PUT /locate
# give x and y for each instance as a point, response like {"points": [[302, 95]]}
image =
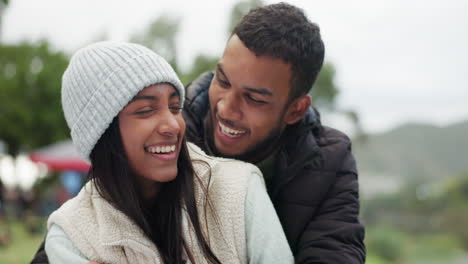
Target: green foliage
{"points": [[325, 90], [371, 258], [455, 213], [202, 63], [454, 222], [432, 247], [23, 244], [324, 94], [386, 243], [30, 109], [160, 36], [457, 189], [389, 244], [423, 222]]}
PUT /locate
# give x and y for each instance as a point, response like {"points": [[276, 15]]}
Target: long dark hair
{"points": [[161, 218]]}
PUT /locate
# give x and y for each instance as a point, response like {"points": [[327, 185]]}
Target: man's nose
{"points": [[229, 107]]}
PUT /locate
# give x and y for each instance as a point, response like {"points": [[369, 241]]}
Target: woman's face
{"points": [[152, 129]]}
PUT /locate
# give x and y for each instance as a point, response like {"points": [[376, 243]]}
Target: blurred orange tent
{"points": [[60, 156]]}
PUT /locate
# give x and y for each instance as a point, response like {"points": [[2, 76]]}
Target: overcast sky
{"points": [[397, 61]]}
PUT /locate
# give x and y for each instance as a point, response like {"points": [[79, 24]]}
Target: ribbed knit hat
{"points": [[100, 81]]}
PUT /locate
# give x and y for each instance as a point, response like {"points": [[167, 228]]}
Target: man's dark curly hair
{"points": [[283, 31]]}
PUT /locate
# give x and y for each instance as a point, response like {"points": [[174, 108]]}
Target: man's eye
{"points": [[223, 83], [253, 100]]}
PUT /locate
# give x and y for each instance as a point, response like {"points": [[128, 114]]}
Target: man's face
{"points": [[248, 97]]}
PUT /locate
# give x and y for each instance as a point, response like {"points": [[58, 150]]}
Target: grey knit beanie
{"points": [[100, 81]]}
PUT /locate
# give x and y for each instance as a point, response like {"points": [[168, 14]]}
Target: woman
{"points": [[145, 202]]}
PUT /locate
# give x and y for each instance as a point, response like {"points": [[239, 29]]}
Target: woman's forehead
{"points": [[160, 89]]}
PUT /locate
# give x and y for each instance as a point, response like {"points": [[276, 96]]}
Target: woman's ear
{"points": [[297, 109]]}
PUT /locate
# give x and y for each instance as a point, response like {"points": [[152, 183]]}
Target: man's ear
{"points": [[297, 109]]}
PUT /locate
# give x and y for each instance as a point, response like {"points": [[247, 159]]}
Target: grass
{"points": [[387, 244], [23, 245]]}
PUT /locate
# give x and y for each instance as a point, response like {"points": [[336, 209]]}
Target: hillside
{"points": [[415, 151]]}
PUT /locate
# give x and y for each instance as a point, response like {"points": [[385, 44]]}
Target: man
{"points": [[255, 108]]}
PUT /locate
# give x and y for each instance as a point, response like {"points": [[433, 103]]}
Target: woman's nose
{"points": [[169, 125]]}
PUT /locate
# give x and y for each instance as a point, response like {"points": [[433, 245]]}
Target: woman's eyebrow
{"points": [[145, 97]]}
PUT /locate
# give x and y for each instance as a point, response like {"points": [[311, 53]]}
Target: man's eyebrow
{"points": [[220, 69], [261, 91]]}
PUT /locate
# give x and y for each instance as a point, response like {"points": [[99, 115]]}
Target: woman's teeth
{"points": [[229, 131], [162, 149]]}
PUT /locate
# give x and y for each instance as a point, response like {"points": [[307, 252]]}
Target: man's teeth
{"points": [[162, 149], [229, 131]]}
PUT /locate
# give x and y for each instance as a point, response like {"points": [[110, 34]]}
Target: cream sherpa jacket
{"points": [[106, 235]]}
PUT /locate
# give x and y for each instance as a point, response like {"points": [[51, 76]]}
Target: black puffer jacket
{"points": [[316, 193]]}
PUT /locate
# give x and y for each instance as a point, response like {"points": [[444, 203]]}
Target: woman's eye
{"points": [[176, 109], [144, 111]]}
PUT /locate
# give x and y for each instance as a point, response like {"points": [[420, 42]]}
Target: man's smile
{"points": [[230, 132]]}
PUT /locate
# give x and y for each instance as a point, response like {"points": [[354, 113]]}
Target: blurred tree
{"points": [[324, 94], [201, 64], [204, 63], [3, 5], [30, 81], [386, 243], [443, 211], [239, 10], [325, 90], [160, 36], [455, 213]]}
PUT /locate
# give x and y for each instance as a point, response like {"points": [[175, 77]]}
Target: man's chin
{"points": [[244, 155], [227, 152], [254, 153]]}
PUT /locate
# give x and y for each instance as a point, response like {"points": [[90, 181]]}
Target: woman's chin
{"points": [[164, 176]]}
